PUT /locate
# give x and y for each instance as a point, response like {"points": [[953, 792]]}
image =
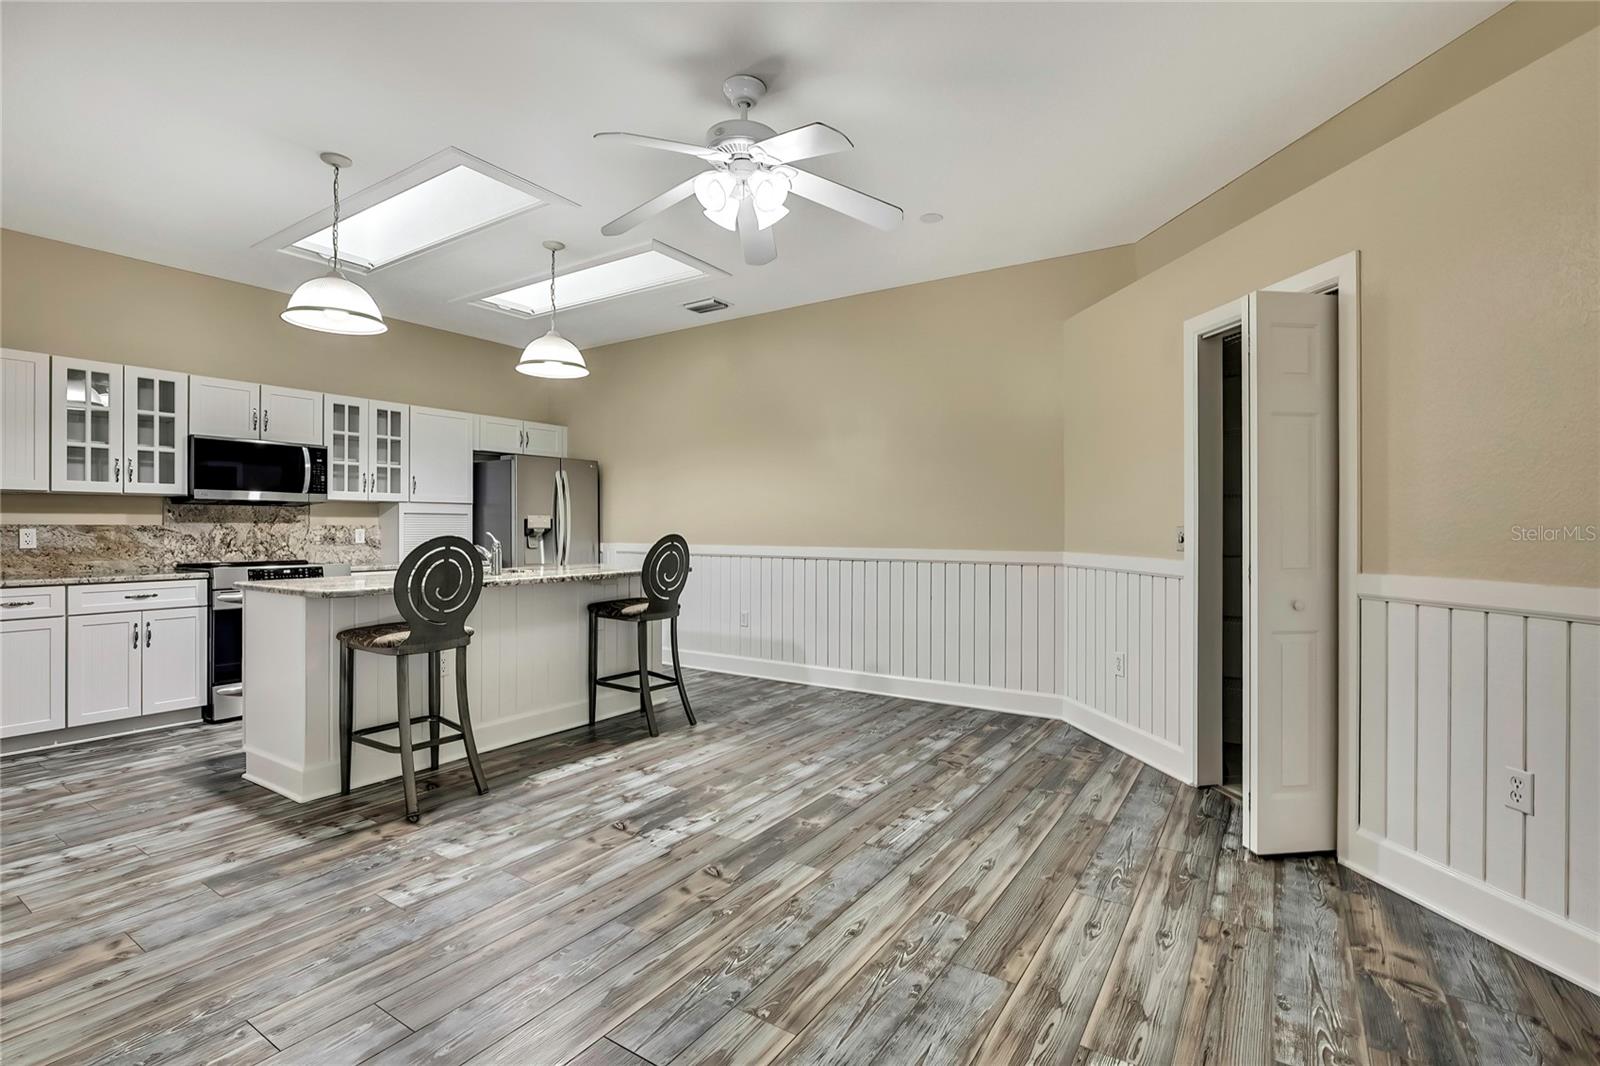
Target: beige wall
{"points": [[1480, 245], [1507, 41], [926, 416], [66, 300]]}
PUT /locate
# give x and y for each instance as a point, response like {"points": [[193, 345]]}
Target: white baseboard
{"points": [[1543, 938], [87, 734], [1157, 753]]}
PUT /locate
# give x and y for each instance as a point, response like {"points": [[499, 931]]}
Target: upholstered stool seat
{"points": [[665, 570], [435, 589], [394, 638]]}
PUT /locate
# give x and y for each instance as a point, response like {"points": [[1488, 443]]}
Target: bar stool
{"points": [[666, 569], [435, 589]]}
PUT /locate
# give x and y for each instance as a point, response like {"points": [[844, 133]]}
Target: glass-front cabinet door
{"points": [[345, 423], [368, 444], [390, 444], [155, 429], [85, 426]]}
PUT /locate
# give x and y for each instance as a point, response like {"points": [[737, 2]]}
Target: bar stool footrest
{"points": [[364, 736]]}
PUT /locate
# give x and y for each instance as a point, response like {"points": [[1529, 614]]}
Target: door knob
{"points": [[1298, 605]]}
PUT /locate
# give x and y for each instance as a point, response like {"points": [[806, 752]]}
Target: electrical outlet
{"points": [[27, 538], [1180, 539], [361, 534], [1518, 790], [744, 619], [1119, 663]]}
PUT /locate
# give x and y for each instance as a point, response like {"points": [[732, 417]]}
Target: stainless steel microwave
{"points": [[256, 471]]}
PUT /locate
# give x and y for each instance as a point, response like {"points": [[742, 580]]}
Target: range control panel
{"points": [[283, 573]]}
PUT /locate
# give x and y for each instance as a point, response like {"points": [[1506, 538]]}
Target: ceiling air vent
{"points": [[705, 307]]}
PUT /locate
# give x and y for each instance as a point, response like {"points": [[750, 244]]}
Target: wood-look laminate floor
{"points": [[810, 876]]}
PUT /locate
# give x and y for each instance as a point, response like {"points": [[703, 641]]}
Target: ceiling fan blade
{"points": [[759, 246], [650, 208], [846, 201], [665, 145], [805, 142]]}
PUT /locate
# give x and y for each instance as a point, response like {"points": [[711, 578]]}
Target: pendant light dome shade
{"points": [[552, 356], [334, 304]]}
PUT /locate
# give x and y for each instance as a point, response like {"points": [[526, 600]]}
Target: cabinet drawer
{"points": [[45, 601], [135, 596]]}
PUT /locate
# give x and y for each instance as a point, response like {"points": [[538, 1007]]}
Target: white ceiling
{"points": [[184, 134]]}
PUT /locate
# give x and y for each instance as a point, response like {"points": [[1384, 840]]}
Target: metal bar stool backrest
{"points": [[666, 569], [437, 586]]}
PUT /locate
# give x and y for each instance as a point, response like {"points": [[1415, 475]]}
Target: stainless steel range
{"points": [[226, 671]]}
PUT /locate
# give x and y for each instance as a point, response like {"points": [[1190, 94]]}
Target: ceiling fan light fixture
{"points": [[333, 303], [767, 216], [727, 217], [715, 189], [770, 188]]}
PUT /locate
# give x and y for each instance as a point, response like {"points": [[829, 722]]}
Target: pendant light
{"points": [[552, 355], [333, 303]]}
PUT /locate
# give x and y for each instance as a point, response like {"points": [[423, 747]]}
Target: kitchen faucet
{"points": [[492, 558]]}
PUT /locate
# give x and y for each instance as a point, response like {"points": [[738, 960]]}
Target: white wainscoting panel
{"points": [[1451, 694], [1030, 632]]}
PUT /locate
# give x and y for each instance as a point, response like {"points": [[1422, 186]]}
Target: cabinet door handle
{"points": [[136, 636], [266, 417], [17, 603], [116, 471], [147, 634], [253, 414], [413, 484], [140, 595]]}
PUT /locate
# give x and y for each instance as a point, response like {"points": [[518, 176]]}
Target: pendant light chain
{"points": [[335, 219], [552, 288]]}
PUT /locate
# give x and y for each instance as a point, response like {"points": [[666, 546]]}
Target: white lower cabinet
{"points": [[123, 663], [174, 669], [33, 675], [103, 667]]}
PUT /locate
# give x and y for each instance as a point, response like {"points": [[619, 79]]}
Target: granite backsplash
{"points": [[189, 532]]}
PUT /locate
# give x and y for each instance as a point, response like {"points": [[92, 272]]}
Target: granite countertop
{"points": [[381, 582], [8, 581]]}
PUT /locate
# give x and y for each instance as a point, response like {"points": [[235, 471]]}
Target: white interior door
{"points": [[1291, 756]]}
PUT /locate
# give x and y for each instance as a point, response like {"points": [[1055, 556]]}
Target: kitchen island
{"points": [[527, 669]]}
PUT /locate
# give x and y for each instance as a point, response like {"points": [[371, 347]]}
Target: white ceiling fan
{"points": [[751, 176]]}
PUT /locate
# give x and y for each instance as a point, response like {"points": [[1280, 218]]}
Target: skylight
{"points": [[446, 196], [652, 268]]}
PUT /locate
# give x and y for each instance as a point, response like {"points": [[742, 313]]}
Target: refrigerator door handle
{"points": [[561, 521], [566, 519]]}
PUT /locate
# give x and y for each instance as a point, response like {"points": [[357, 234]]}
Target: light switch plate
{"points": [[1518, 791], [361, 534], [27, 538]]}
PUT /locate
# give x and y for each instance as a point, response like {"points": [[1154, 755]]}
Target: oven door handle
{"points": [[230, 597]]}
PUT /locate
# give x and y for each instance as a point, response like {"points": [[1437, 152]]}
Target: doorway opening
{"points": [[1263, 485]]}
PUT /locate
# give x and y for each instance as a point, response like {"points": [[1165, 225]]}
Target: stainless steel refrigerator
{"points": [[544, 511]]}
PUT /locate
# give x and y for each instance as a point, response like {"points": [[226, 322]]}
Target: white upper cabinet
{"points": [[155, 431], [441, 455], [24, 421], [496, 434], [541, 438], [85, 426], [368, 449], [512, 436], [222, 408], [293, 416]]}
